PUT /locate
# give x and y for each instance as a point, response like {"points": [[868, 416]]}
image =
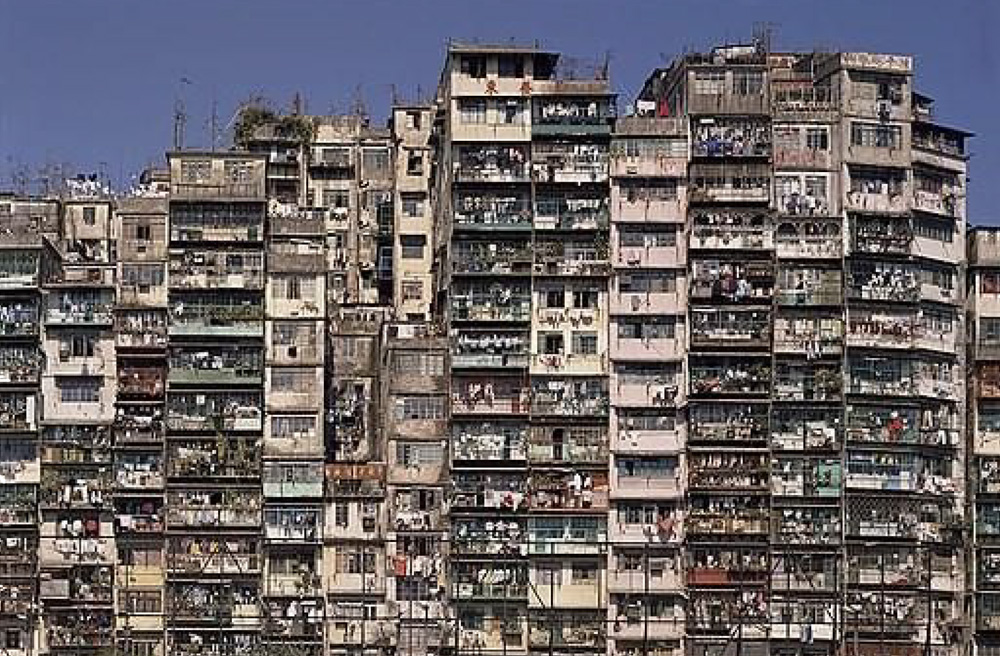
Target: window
{"points": [[413, 204], [287, 428], [417, 454], [472, 110], [748, 83], [412, 246], [297, 381], [375, 162], [336, 199], [549, 574], [413, 291], [196, 170], [143, 233], [420, 407], [877, 136], [555, 298], [710, 82], [414, 163], [585, 343], [473, 66], [584, 299], [425, 364], [140, 601], [510, 66], [412, 120], [818, 138], [550, 343], [512, 112], [647, 328], [583, 572], [79, 390], [340, 513], [90, 215], [294, 287], [142, 276], [77, 346], [12, 639]]}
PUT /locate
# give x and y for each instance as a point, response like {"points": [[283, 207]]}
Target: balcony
{"points": [[571, 211], [292, 480], [577, 445], [660, 435], [807, 526], [140, 382], [76, 487], [719, 281], [889, 329], [199, 556], [491, 304], [731, 191], [569, 397], [800, 381], [77, 630], [564, 492], [802, 102], [489, 258], [646, 477], [805, 333], [200, 269], [799, 429], [575, 163], [490, 350], [19, 318], [728, 471], [730, 423], [19, 269], [292, 221], [568, 363], [141, 330], [222, 510], [725, 328], [730, 137], [705, 524], [80, 308], [488, 442], [567, 632], [66, 551], [293, 524], [477, 536], [216, 365], [563, 116], [494, 163], [20, 365], [497, 491], [214, 411], [573, 259], [730, 377], [642, 202], [880, 281], [224, 316], [642, 386], [881, 236], [492, 212], [493, 397], [878, 196], [806, 477], [945, 203], [137, 472], [213, 459]]}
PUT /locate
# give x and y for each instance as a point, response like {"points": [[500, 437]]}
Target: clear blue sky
{"points": [[90, 82]]}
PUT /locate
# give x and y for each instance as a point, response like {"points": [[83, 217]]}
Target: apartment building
{"points": [[514, 374]]}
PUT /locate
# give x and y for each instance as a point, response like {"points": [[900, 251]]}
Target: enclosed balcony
{"points": [[19, 269], [216, 458], [19, 505], [219, 509], [647, 292], [488, 442], [490, 396], [493, 211], [215, 605], [293, 479], [802, 101], [647, 338], [711, 517], [569, 116], [729, 183], [808, 333], [138, 517], [492, 163], [567, 536], [474, 349], [800, 429], [90, 629], [900, 472], [491, 257], [647, 477], [889, 328], [295, 621], [808, 239], [476, 582], [806, 477], [727, 567], [803, 194], [220, 314], [718, 612], [648, 155], [141, 329], [895, 282], [216, 222], [569, 162], [19, 463], [650, 200], [214, 411], [79, 487], [475, 536], [881, 235], [739, 281], [728, 424], [201, 269], [568, 444], [565, 630], [19, 318], [730, 328], [195, 556], [138, 424], [417, 509], [807, 381], [216, 365], [569, 397], [496, 491], [77, 548], [648, 621], [889, 517], [874, 190], [490, 301], [937, 426], [571, 210], [632, 570], [730, 376], [570, 258], [882, 376], [140, 382], [139, 471], [793, 573], [79, 307], [293, 523], [568, 490], [728, 471], [731, 137], [20, 364], [731, 230], [646, 385]]}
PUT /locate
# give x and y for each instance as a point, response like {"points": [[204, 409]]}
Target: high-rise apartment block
{"points": [[525, 371]]}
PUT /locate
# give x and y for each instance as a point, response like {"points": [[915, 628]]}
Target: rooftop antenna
{"points": [[297, 104], [214, 121], [180, 117], [358, 102]]}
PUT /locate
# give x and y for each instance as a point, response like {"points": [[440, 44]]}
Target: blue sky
{"points": [[93, 84]]}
